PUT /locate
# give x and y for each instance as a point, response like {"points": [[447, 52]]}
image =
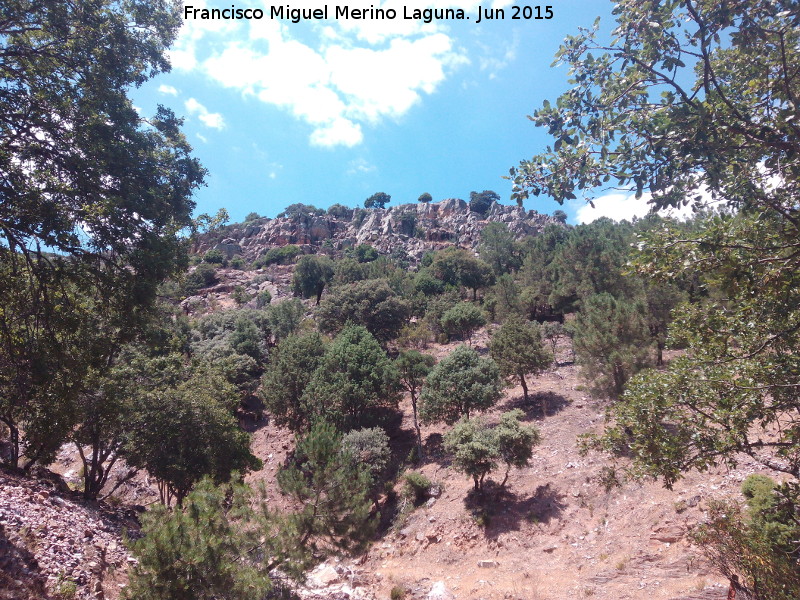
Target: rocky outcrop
{"points": [[418, 228]]}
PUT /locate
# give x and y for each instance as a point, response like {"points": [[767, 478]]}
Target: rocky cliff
{"points": [[416, 227]]}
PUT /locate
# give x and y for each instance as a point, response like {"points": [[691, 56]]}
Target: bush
{"points": [[340, 211], [372, 304], [481, 202], [283, 255], [424, 197], [370, 448], [237, 262], [240, 295], [263, 298], [416, 487], [203, 276], [397, 593], [300, 211], [462, 320], [214, 257]]}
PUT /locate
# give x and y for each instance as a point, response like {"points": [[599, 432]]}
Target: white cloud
{"points": [[619, 207], [360, 166], [209, 119], [339, 75], [167, 90], [202, 138], [340, 132]]}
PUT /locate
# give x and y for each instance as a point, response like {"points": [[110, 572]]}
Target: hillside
{"points": [[554, 534]]}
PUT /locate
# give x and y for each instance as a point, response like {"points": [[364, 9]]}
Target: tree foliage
{"points": [[354, 383], [462, 320], [187, 430], [461, 384], [517, 349], [474, 449], [332, 490], [481, 202], [372, 304], [477, 448], [612, 343], [292, 365], [687, 96], [498, 249], [92, 198], [207, 550], [377, 200], [311, 274], [693, 100], [756, 547], [459, 267], [412, 368]]}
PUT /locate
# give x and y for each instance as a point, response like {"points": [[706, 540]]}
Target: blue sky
{"points": [[332, 111]]}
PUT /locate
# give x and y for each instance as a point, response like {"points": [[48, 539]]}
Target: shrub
{"points": [[283, 255], [416, 487], [340, 211], [462, 320], [214, 256], [263, 298], [203, 276]]}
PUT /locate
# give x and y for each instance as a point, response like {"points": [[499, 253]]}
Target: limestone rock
{"points": [[440, 592]]}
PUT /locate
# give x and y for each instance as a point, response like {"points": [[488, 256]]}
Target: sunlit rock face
{"points": [[418, 228]]}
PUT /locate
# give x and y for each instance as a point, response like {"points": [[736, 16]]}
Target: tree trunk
{"points": [[524, 386], [13, 460], [505, 478], [416, 423]]}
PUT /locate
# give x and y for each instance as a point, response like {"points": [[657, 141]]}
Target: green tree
{"points": [[612, 343], [560, 216], [370, 447], [552, 331], [290, 369], [354, 382], [340, 211], [477, 448], [474, 449], [462, 320], [424, 197], [680, 101], [300, 212], [332, 489], [481, 202], [182, 432], [311, 274], [413, 367], [498, 249], [207, 550], [462, 383], [517, 349], [372, 304], [377, 200], [690, 100], [93, 198], [755, 548], [458, 267], [514, 441], [284, 318]]}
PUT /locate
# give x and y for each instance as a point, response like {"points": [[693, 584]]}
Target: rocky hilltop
{"points": [[418, 228]]}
